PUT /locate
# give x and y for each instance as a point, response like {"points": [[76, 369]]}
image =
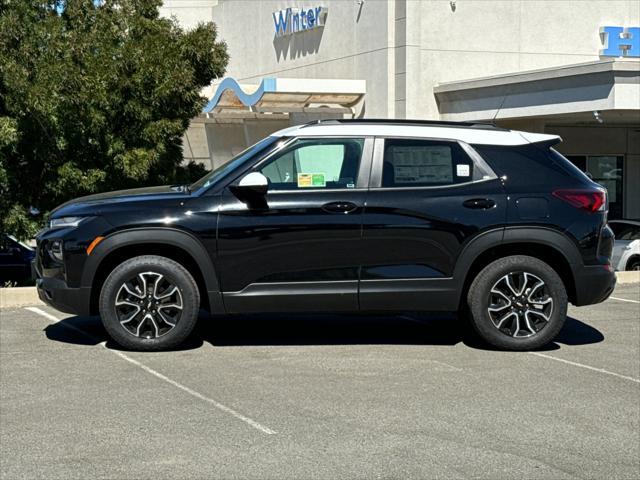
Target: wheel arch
{"points": [[171, 243], [633, 258], [550, 246]]}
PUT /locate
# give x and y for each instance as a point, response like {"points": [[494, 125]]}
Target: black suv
{"points": [[343, 216]]}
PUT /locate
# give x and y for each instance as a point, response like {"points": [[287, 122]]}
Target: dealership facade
{"points": [[570, 68]]}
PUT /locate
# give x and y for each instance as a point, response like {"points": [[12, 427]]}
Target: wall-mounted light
{"points": [[452, 4]]}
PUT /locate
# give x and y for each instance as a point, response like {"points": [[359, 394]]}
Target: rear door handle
{"points": [[479, 203], [339, 207]]}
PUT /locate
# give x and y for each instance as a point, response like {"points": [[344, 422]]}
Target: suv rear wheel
{"points": [[517, 303], [149, 303]]}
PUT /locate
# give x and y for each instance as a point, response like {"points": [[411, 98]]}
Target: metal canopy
{"points": [[285, 95]]}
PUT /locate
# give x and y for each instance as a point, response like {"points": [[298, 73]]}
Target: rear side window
{"points": [[425, 163], [529, 164]]}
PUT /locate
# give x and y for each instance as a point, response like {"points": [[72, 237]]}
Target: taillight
{"points": [[589, 200]]}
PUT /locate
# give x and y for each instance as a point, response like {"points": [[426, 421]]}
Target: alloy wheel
{"points": [[148, 305], [520, 304]]}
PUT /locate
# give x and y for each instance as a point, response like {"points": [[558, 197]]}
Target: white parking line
{"points": [[153, 372], [624, 300], [588, 367]]}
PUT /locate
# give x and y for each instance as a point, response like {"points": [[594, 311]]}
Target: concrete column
{"points": [[407, 58]]}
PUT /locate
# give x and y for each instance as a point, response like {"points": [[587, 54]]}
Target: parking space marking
{"points": [[153, 372], [624, 300], [589, 367]]}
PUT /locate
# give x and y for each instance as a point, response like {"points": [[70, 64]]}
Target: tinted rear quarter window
{"points": [[530, 165]]}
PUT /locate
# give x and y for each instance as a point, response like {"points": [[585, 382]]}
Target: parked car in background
{"points": [[626, 248], [15, 260]]}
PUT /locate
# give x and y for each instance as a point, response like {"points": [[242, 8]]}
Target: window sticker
{"points": [[463, 170], [306, 180], [420, 164]]}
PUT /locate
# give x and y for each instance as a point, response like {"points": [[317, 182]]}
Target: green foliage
{"points": [[95, 98]]}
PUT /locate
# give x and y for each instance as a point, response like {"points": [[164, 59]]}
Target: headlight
{"points": [[55, 249], [66, 222]]}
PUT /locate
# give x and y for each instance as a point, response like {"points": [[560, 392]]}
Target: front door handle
{"points": [[479, 203], [339, 207]]}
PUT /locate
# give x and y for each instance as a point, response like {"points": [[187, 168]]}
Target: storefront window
{"points": [[607, 170]]}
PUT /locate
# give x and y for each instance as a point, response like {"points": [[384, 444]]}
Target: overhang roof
{"points": [[276, 95], [601, 85]]}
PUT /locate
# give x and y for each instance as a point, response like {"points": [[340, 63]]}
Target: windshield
{"points": [[625, 231], [22, 244], [218, 173]]}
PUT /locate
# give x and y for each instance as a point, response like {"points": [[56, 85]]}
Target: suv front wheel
{"points": [[149, 303], [517, 303]]}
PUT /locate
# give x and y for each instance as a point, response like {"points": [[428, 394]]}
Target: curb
{"points": [[627, 278], [23, 296], [18, 297]]}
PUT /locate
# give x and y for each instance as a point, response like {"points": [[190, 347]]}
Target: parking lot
{"points": [[321, 397]]}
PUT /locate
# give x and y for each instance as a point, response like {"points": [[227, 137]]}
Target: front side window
{"points": [[425, 163], [315, 164]]}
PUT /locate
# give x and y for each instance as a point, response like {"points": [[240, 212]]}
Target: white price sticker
{"points": [[462, 170]]}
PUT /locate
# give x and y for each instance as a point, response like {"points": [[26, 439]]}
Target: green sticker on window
{"points": [[317, 180]]}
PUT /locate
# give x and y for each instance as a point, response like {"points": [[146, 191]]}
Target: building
{"points": [[570, 68]]}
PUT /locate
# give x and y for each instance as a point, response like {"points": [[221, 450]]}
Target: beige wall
{"points": [[482, 38], [403, 48], [354, 44], [189, 12]]}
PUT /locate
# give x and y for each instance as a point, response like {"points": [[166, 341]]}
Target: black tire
{"points": [[505, 270], [633, 264], [148, 269]]}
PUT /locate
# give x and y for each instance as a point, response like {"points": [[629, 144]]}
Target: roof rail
{"points": [[393, 121]]}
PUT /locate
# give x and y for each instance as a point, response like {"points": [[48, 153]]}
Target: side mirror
{"points": [[250, 186]]}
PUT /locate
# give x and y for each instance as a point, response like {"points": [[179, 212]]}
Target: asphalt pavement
{"points": [[321, 397]]}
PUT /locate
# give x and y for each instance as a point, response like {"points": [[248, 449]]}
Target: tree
{"points": [[95, 96]]}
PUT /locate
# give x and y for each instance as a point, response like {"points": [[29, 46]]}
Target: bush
{"points": [[94, 97]]}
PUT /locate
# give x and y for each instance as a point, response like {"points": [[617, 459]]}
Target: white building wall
{"points": [[189, 12], [403, 48], [354, 44], [482, 38]]}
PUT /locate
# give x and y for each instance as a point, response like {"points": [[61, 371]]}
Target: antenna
{"points": [[499, 108]]}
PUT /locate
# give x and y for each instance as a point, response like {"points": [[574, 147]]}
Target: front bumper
{"points": [[56, 293], [594, 284]]}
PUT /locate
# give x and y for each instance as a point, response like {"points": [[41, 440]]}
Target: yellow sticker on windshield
{"points": [[311, 180]]}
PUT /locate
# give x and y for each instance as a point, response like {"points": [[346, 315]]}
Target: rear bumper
{"points": [[594, 284]]}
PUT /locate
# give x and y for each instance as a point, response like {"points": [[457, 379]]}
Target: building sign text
{"points": [[293, 20]]}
